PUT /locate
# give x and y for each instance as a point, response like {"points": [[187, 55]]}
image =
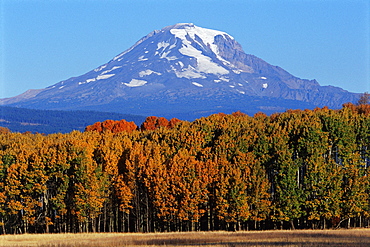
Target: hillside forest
{"points": [[301, 169]]}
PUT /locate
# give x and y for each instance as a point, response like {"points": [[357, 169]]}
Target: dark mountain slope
{"points": [[48, 121]]}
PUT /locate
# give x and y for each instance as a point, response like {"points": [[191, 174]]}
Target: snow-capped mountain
{"points": [[184, 71]]}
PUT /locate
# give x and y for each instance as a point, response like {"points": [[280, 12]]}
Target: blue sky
{"points": [[44, 42]]}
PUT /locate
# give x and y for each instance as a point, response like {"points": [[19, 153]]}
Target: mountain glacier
{"points": [[184, 71]]}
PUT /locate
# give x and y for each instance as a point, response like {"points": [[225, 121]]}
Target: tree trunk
{"points": [[116, 220], [324, 223], [25, 226], [349, 223], [360, 221], [3, 226], [105, 217], [93, 225]]}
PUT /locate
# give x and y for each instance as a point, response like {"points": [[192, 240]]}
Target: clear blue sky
{"points": [[44, 42]]}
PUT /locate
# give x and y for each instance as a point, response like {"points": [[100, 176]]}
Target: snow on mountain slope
{"points": [[183, 68]]}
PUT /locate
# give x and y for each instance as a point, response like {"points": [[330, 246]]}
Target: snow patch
{"points": [[87, 81], [206, 35], [162, 44], [148, 72], [123, 53], [101, 77], [224, 79], [240, 84], [142, 58], [136, 83], [173, 45], [164, 55], [263, 78], [232, 86], [197, 84], [61, 87], [171, 58], [100, 68], [265, 85], [90, 80], [217, 81], [107, 71], [239, 91], [189, 73], [204, 63]]}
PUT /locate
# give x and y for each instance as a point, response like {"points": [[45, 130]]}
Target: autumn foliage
{"points": [[152, 123], [297, 169], [112, 126]]}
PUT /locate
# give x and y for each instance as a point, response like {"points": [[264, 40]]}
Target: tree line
{"points": [[297, 169]]}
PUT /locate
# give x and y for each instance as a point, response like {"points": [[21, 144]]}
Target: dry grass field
{"points": [[354, 237]]}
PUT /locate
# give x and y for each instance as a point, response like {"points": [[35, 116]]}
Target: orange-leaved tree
{"points": [[112, 126]]}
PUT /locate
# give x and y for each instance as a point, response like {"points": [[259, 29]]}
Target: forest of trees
{"points": [[297, 169]]}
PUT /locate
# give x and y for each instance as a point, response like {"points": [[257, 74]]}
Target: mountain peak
{"points": [[180, 26], [192, 30], [180, 68]]}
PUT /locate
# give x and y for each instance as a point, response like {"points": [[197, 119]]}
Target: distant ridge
{"points": [[54, 121]]}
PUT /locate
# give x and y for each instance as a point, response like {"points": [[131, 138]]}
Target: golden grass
{"points": [[353, 237]]}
